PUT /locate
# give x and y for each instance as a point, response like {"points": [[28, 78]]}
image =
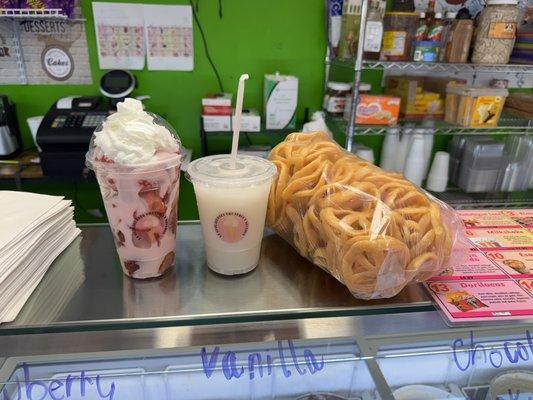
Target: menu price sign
{"points": [[119, 29], [495, 284]]}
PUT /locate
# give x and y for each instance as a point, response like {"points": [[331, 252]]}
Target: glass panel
{"points": [[85, 288], [272, 370], [468, 367]]}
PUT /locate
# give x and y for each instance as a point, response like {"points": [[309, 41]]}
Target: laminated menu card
{"points": [[495, 284]]}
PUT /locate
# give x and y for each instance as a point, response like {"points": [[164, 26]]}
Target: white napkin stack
{"points": [[34, 230]]}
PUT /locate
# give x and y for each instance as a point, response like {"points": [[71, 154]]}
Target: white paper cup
{"points": [[438, 174], [415, 161], [389, 149]]}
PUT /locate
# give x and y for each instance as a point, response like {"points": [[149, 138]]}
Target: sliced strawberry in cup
{"points": [[149, 192], [148, 228]]}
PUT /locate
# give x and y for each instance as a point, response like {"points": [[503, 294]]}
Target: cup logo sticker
{"points": [[231, 227]]}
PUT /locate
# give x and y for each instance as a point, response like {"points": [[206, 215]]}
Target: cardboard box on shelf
{"points": [[216, 123], [217, 104], [216, 110], [250, 121], [217, 99]]}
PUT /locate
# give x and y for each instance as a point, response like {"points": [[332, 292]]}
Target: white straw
{"points": [[237, 123]]}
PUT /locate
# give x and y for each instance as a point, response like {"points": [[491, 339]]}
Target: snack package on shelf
{"points": [[416, 102], [372, 230], [421, 97], [377, 110]]}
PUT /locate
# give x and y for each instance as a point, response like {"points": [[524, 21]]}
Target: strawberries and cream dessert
{"points": [[136, 159]]}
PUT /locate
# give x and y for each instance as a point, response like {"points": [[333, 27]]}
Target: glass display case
{"points": [[285, 331]]}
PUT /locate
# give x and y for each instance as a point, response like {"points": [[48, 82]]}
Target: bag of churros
{"points": [[372, 230]]}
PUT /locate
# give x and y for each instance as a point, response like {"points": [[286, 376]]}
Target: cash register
{"points": [[66, 130]]}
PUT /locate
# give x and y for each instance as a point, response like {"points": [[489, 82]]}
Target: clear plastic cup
{"points": [[141, 203], [232, 204]]}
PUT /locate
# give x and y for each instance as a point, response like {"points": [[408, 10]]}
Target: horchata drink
{"points": [[232, 203], [136, 158]]}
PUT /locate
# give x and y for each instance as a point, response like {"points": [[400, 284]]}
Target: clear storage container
{"points": [[480, 165], [514, 175], [474, 107]]}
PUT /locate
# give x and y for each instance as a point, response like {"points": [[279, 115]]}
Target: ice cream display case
{"points": [[287, 330]]}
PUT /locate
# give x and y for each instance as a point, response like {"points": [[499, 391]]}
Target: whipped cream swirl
{"points": [[130, 136]]}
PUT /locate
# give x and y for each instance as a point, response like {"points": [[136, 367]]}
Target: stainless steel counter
{"points": [[85, 310], [85, 289]]}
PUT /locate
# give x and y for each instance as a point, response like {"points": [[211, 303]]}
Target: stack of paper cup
{"points": [[366, 153], [389, 149], [403, 149], [428, 148], [415, 160], [438, 175], [429, 135]]}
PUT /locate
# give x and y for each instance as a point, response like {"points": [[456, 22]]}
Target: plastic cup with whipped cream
{"points": [[136, 158], [232, 203]]}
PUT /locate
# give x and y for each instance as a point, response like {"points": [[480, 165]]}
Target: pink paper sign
{"points": [[496, 282], [486, 219], [482, 300], [500, 238], [523, 217], [478, 266], [517, 264]]}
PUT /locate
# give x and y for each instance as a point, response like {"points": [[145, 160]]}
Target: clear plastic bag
{"points": [[372, 230]]}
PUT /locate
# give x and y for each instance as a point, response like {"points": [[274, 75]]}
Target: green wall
{"points": [[254, 37]]}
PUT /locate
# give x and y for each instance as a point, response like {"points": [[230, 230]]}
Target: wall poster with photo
{"points": [[119, 31]]}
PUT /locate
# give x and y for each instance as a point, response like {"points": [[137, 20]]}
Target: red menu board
{"points": [[496, 282]]}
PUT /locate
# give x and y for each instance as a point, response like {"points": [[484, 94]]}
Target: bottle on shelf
{"points": [[350, 22], [427, 47], [422, 29], [373, 32], [430, 12], [436, 29], [399, 30]]}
